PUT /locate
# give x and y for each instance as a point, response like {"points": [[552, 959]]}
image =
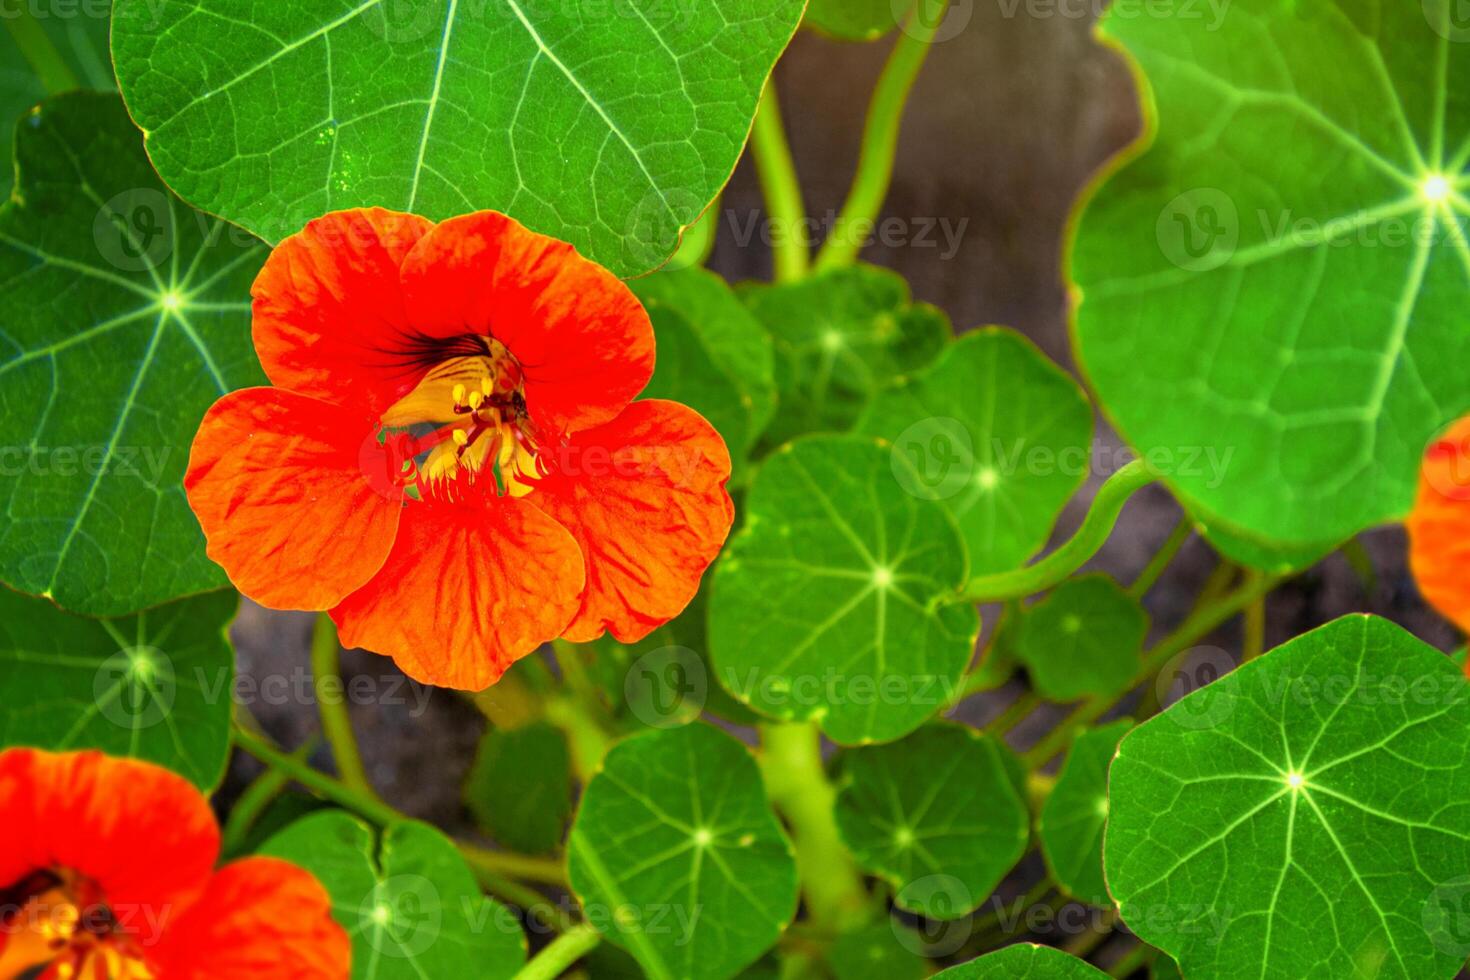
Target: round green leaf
{"points": [[127, 316], [520, 786], [1072, 819], [1244, 549], [155, 686], [686, 373], [677, 857], [829, 605], [411, 906], [936, 815], [1277, 277], [1304, 816], [733, 337], [1024, 961], [840, 336], [611, 126], [81, 42], [875, 953], [855, 20], [1084, 638], [998, 433]]}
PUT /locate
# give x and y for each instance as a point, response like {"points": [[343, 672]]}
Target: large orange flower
{"points": [[1439, 526], [107, 873], [451, 460]]}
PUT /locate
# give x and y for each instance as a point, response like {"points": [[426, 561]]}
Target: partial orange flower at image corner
{"points": [[1439, 526], [107, 869], [450, 459]]}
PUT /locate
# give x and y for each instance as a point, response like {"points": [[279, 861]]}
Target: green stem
{"points": [[331, 701], [561, 953], [1199, 625], [880, 136], [50, 67], [1162, 558], [1254, 629], [1134, 960], [1014, 714], [773, 164], [252, 803], [1072, 555], [791, 762], [588, 740], [526, 867], [699, 239], [1090, 940]]}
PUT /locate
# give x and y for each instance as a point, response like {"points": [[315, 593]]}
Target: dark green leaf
{"points": [[611, 126], [127, 316], [998, 433], [520, 786], [411, 906], [855, 20], [687, 373], [1072, 819], [829, 605], [156, 686], [1024, 961], [676, 855], [80, 39], [1084, 638], [875, 953], [936, 815], [1311, 821]]}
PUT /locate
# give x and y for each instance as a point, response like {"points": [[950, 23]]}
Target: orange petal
{"points": [[144, 834], [329, 312], [1439, 526], [469, 589], [260, 917], [292, 497], [581, 336], [645, 498]]}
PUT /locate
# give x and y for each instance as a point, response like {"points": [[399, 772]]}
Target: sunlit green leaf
{"points": [[1024, 961], [520, 786], [127, 315], [1311, 821], [840, 336], [411, 906], [1278, 276], [156, 686], [935, 814], [1072, 819], [608, 125], [998, 433], [1084, 638], [829, 604], [677, 857]]}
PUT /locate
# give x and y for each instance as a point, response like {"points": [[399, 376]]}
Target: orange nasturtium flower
{"points": [[1439, 526], [107, 873], [451, 460]]}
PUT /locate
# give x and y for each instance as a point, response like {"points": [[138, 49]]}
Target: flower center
{"points": [[55, 924], [467, 418]]}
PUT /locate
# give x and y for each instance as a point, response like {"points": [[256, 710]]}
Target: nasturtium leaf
{"points": [[411, 906], [1072, 818], [1024, 961], [611, 126], [855, 20], [1279, 273], [874, 952], [1164, 968], [1253, 552], [676, 855], [995, 431], [686, 373], [155, 686], [280, 813], [939, 804], [127, 315], [665, 679], [839, 337], [733, 337], [520, 786], [80, 40], [1313, 820], [831, 602], [1083, 638]]}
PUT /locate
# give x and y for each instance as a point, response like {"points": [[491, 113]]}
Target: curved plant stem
{"points": [[561, 953], [526, 867], [331, 701], [1162, 558], [1199, 625], [1018, 711], [1132, 961], [777, 173], [791, 762], [1072, 555], [1084, 944], [257, 796], [50, 67], [880, 135]]}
